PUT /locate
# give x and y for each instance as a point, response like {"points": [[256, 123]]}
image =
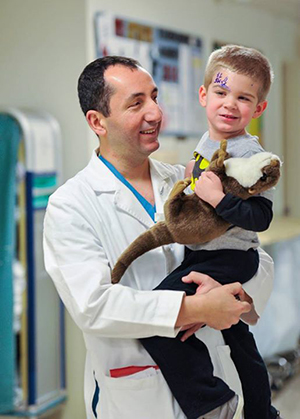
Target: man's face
{"points": [[231, 101], [134, 122]]}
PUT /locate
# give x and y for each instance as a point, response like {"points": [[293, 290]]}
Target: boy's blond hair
{"points": [[241, 60]]}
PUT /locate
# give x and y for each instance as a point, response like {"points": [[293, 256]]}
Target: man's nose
{"points": [[153, 112]]}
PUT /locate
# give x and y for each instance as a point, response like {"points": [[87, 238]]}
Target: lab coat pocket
{"points": [[134, 397], [228, 371]]}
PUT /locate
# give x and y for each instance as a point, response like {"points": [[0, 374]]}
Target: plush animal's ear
{"points": [[252, 191], [222, 154]]}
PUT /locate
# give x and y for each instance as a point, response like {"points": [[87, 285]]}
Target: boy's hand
{"points": [[209, 188]]}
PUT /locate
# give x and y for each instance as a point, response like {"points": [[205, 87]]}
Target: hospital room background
{"points": [[44, 45]]}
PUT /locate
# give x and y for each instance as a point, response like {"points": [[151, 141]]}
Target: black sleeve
{"points": [[254, 214]]}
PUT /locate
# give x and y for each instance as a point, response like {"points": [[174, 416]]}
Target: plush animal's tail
{"points": [[156, 236]]}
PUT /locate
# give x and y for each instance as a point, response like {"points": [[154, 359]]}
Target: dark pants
{"points": [[187, 366]]}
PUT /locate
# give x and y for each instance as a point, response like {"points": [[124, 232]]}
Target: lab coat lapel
{"points": [[102, 180], [126, 201], [162, 185]]}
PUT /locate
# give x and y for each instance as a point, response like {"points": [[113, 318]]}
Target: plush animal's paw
{"points": [[187, 181], [179, 187]]}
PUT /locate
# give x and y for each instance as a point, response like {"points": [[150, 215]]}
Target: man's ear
{"points": [[202, 96], [260, 108], [96, 122]]}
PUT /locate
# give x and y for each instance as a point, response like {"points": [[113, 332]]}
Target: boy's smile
{"points": [[231, 101]]}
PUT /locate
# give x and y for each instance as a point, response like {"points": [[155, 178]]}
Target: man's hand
{"points": [[189, 169], [251, 317], [190, 330], [209, 188], [205, 282], [218, 308], [224, 309]]}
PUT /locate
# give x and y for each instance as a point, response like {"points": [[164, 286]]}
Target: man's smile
{"points": [[149, 131]]}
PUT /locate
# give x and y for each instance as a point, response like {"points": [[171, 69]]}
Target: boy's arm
{"points": [[253, 214]]}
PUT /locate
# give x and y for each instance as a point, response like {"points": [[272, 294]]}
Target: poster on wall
{"points": [[174, 59]]}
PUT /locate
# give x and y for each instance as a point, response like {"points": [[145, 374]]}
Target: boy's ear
{"points": [[202, 96], [97, 122], [260, 108]]}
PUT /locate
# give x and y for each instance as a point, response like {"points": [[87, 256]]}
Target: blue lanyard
{"points": [[151, 210]]}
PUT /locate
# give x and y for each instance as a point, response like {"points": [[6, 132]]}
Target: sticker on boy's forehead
{"points": [[222, 82]]}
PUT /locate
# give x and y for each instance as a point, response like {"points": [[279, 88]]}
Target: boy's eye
{"points": [[155, 99], [220, 93], [244, 98]]}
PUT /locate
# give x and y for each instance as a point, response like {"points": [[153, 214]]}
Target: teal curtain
{"points": [[9, 142]]}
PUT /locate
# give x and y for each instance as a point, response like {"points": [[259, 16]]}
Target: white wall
{"points": [[42, 52], [44, 45], [291, 138]]}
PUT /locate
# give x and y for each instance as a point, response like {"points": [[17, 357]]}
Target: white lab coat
{"points": [[89, 221]]}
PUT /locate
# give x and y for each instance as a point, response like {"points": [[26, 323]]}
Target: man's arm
{"points": [[256, 291], [79, 266], [259, 287], [189, 169]]}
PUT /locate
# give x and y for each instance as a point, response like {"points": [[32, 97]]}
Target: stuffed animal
{"points": [[189, 219]]}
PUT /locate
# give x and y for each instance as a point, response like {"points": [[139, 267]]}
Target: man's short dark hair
{"points": [[93, 92]]}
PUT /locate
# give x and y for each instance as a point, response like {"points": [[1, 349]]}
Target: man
{"points": [[89, 222]]}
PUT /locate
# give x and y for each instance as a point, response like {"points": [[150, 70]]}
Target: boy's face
{"points": [[231, 101]]}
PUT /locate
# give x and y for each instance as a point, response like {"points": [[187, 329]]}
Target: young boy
{"points": [[237, 81]]}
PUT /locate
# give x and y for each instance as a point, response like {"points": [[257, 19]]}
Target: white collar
{"points": [[102, 179]]}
